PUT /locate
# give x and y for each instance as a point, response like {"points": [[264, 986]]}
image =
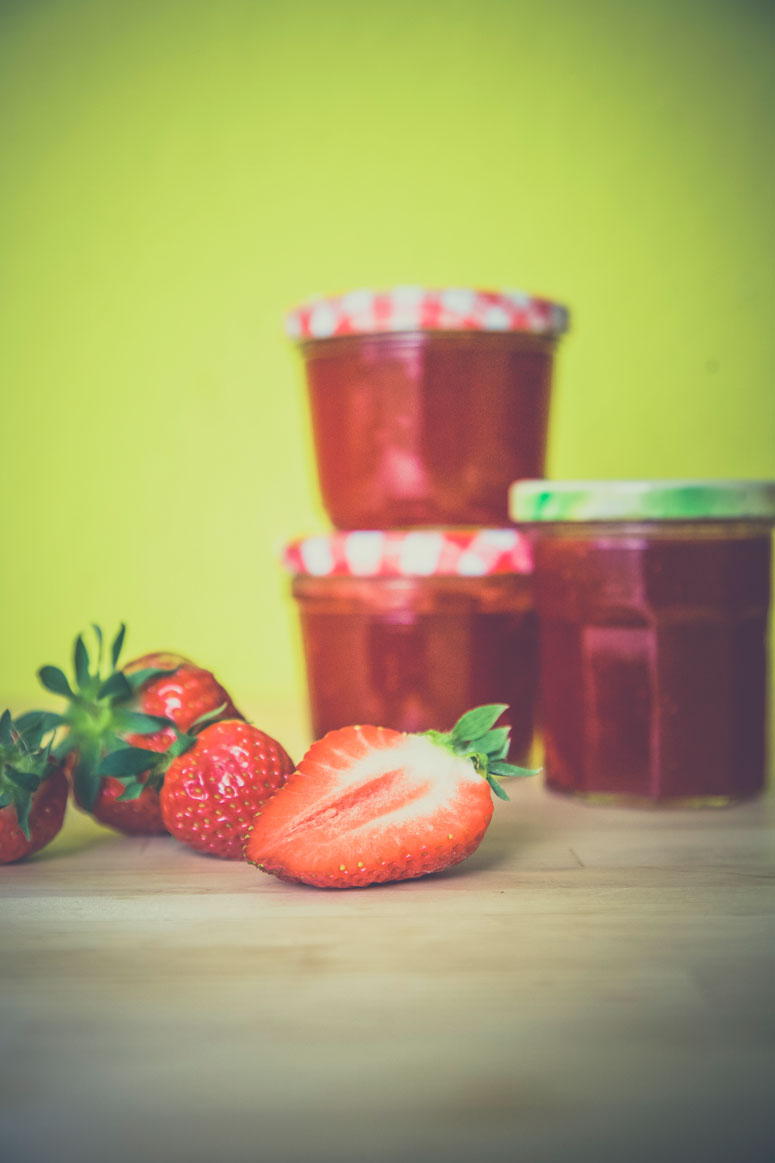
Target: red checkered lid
{"points": [[410, 553], [420, 309]]}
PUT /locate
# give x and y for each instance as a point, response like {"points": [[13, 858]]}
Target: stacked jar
{"points": [[425, 406], [653, 602]]}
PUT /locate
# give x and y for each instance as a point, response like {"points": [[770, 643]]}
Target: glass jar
{"points": [[409, 630], [653, 602], [426, 405]]}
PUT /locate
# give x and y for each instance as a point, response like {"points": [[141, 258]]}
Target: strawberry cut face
{"points": [[368, 805]]}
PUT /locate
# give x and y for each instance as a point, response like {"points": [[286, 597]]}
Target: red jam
{"points": [[427, 428], [653, 658], [415, 653]]}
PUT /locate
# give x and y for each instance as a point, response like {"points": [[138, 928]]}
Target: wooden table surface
{"points": [[593, 984]]}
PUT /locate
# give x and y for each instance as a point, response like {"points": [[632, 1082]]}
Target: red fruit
{"points": [[47, 813], [139, 705], [368, 804], [212, 792], [137, 817], [33, 789], [182, 696], [100, 797]]}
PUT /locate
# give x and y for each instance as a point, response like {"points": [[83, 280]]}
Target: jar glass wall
{"points": [[416, 652], [424, 416], [653, 641]]}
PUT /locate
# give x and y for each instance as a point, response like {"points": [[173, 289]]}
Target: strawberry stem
{"points": [[24, 761], [476, 737], [100, 708]]}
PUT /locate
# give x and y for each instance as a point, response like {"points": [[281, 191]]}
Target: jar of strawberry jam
{"points": [[410, 629], [653, 600], [426, 405]]}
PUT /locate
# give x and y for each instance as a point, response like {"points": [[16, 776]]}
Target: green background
{"points": [[177, 173]]}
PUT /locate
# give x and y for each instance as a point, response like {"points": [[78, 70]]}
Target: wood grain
{"points": [[592, 984]]}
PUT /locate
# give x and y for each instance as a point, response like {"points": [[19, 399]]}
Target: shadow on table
{"points": [[498, 848], [80, 833]]}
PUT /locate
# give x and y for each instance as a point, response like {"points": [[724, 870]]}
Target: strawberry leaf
{"points": [[208, 717], [81, 664], [511, 770], [30, 736], [475, 738], [68, 744], [133, 789], [25, 780], [477, 722], [499, 791], [116, 686], [100, 644], [126, 761], [137, 723], [495, 743], [182, 744], [49, 749], [19, 788], [118, 642], [37, 723], [147, 674], [6, 733], [85, 779], [54, 680], [23, 801]]}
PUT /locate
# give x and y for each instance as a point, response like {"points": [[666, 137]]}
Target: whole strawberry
{"points": [[33, 787], [212, 791], [181, 691], [368, 804], [116, 715]]}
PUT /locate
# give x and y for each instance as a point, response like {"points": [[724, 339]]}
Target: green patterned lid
{"points": [[657, 500]]}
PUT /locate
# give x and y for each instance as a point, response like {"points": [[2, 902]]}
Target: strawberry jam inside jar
{"points": [[426, 405], [410, 629], [653, 601]]}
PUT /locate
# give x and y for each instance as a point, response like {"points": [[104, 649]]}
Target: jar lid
{"points": [[365, 312], [410, 553], [656, 500]]}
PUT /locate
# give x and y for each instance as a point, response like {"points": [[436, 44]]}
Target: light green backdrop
{"points": [[176, 173]]}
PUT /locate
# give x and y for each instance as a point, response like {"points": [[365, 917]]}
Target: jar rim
{"points": [[415, 308], [417, 553], [535, 501]]}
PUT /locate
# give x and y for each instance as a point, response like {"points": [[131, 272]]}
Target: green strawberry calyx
{"points": [[100, 711], [24, 761], [476, 737], [129, 764]]}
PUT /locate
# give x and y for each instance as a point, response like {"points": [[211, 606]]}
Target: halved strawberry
{"points": [[368, 804]]}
